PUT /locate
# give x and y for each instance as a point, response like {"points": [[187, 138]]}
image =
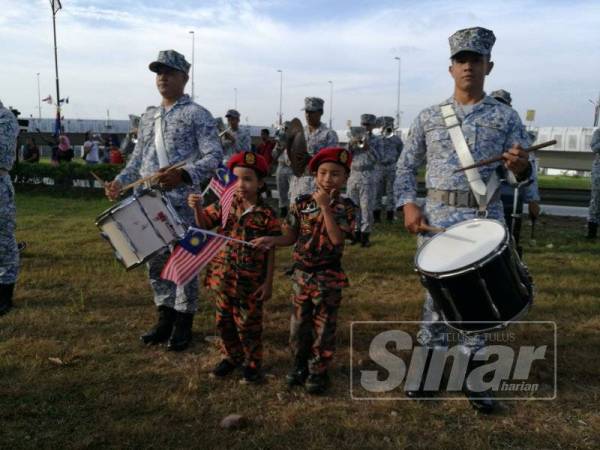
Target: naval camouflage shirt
{"points": [[319, 138]]}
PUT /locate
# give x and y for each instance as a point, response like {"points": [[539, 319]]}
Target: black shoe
{"points": [[162, 329], [317, 383], [390, 216], [181, 336], [592, 230], [251, 375], [357, 238], [6, 296], [21, 246], [364, 242], [377, 215], [224, 368], [298, 375], [283, 212]]}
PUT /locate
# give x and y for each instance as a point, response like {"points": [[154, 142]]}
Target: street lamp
{"points": [[280, 95], [39, 96], [193, 58], [398, 99], [330, 104], [56, 6]]}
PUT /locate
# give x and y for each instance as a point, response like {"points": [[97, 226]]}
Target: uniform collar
{"points": [[486, 99], [321, 127], [183, 100]]}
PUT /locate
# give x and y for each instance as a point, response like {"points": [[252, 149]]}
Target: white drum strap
{"points": [[159, 141], [483, 194]]}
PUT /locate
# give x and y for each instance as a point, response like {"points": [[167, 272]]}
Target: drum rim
{"points": [[472, 266]]}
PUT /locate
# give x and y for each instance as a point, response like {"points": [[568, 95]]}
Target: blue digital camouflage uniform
{"points": [[190, 134], [361, 185], [385, 171], [9, 255], [317, 139], [242, 143], [490, 128], [594, 212], [284, 176]]}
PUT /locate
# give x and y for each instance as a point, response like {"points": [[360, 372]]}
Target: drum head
{"points": [[461, 246]]}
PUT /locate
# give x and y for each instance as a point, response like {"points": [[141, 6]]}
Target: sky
{"points": [[547, 54]]}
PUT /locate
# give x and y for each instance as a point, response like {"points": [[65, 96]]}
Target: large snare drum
{"points": [[140, 226], [474, 276]]}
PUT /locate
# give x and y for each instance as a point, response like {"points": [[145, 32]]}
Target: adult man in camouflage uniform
{"points": [[528, 193], [594, 211], [283, 176], [236, 139], [361, 183], [9, 254], [317, 136], [490, 129], [189, 134], [385, 169]]}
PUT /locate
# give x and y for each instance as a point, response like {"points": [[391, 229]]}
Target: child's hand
{"points": [[321, 197], [264, 292], [264, 243], [194, 201]]}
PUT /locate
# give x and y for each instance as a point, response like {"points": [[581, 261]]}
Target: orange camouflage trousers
{"points": [[240, 325], [316, 301]]}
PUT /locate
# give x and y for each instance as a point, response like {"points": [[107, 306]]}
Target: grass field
{"points": [[73, 375]]}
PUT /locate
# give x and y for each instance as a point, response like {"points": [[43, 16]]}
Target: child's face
{"points": [[331, 176], [248, 182]]}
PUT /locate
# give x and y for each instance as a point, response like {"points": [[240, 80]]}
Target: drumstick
{"points": [[485, 162], [430, 229], [100, 180], [150, 177]]}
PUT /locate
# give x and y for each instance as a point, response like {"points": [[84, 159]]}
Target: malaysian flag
{"points": [[191, 254], [223, 184]]}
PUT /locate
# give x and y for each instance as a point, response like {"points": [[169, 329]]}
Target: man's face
{"points": [[233, 122], [469, 70], [313, 118], [264, 136], [170, 82]]}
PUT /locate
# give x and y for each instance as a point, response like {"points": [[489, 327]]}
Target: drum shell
{"points": [[134, 231], [489, 294]]}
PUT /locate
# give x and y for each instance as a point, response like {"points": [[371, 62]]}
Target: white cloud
{"points": [[104, 52]]}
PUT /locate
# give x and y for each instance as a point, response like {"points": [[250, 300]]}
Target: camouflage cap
{"points": [[172, 59], [233, 113], [387, 121], [368, 119], [312, 104], [479, 40], [502, 96]]}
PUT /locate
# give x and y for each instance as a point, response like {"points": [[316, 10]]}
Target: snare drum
{"points": [[140, 226], [475, 276]]}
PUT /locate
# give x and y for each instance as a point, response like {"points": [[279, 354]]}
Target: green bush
{"points": [[63, 174]]}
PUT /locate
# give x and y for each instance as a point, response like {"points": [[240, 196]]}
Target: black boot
{"points": [[182, 332], [592, 230], [6, 295], [482, 401], [283, 212], [357, 238], [364, 242], [377, 215], [390, 216], [317, 383], [298, 375], [162, 329]]}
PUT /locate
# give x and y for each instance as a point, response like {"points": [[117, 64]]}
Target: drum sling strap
{"points": [[159, 141], [482, 193]]}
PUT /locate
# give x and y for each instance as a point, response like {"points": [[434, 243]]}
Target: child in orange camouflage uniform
{"points": [[242, 276], [318, 224]]}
